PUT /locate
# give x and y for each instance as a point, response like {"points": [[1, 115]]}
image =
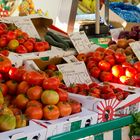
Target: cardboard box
{"points": [[111, 108], [31, 132], [69, 123], [117, 21]]}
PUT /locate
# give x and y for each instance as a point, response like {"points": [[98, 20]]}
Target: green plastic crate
{"points": [[115, 130]]}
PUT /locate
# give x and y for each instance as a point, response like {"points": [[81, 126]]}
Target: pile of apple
{"points": [[113, 65], [105, 91], [133, 34], [15, 40], [26, 95]]}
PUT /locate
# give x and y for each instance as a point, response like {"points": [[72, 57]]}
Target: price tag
{"points": [[81, 42], [74, 73], [115, 33], [136, 48], [70, 59], [27, 26]]}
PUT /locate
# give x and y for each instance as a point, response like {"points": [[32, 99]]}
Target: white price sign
{"points": [[74, 73], [136, 48], [70, 59], [81, 42], [27, 26], [115, 33]]}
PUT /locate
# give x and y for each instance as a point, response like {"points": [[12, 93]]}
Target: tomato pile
{"points": [[26, 95], [15, 40], [106, 91], [115, 64]]}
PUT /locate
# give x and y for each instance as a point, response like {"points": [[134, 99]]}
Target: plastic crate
{"points": [[117, 129]]}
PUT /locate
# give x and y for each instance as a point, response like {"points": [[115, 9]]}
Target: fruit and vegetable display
{"points": [[27, 95], [15, 40], [105, 91], [117, 63]]}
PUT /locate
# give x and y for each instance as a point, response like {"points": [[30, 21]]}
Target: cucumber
{"points": [[52, 42], [58, 38]]}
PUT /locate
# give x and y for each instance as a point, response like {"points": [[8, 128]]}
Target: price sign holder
{"points": [[74, 73], [115, 33], [70, 59], [135, 46], [81, 42]]}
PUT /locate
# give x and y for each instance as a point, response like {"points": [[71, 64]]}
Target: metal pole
{"points": [[97, 13]]}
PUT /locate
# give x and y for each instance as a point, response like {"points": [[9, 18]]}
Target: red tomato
{"points": [[76, 106], [98, 56], [12, 87], [130, 81], [120, 57], [106, 76], [25, 35], [34, 112], [11, 35], [51, 83], [63, 94], [21, 101], [83, 87], [137, 78], [130, 72], [16, 73], [5, 64], [91, 64], [110, 59], [137, 66], [64, 108], [32, 40], [21, 49], [117, 70], [39, 47], [95, 72], [101, 49], [21, 40], [46, 45], [109, 52], [81, 57], [51, 112], [3, 42], [22, 87], [29, 46], [73, 88], [52, 67], [34, 78], [93, 85], [126, 64], [4, 52], [104, 65]]}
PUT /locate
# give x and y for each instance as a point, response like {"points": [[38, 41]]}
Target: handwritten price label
{"points": [[81, 42], [135, 46], [115, 33], [27, 26], [74, 73], [70, 59]]}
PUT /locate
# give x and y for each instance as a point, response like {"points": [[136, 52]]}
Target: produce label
{"points": [[136, 48], [70, 59], [27, 26], [115, 33], [81, 42], [74, 73]]}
